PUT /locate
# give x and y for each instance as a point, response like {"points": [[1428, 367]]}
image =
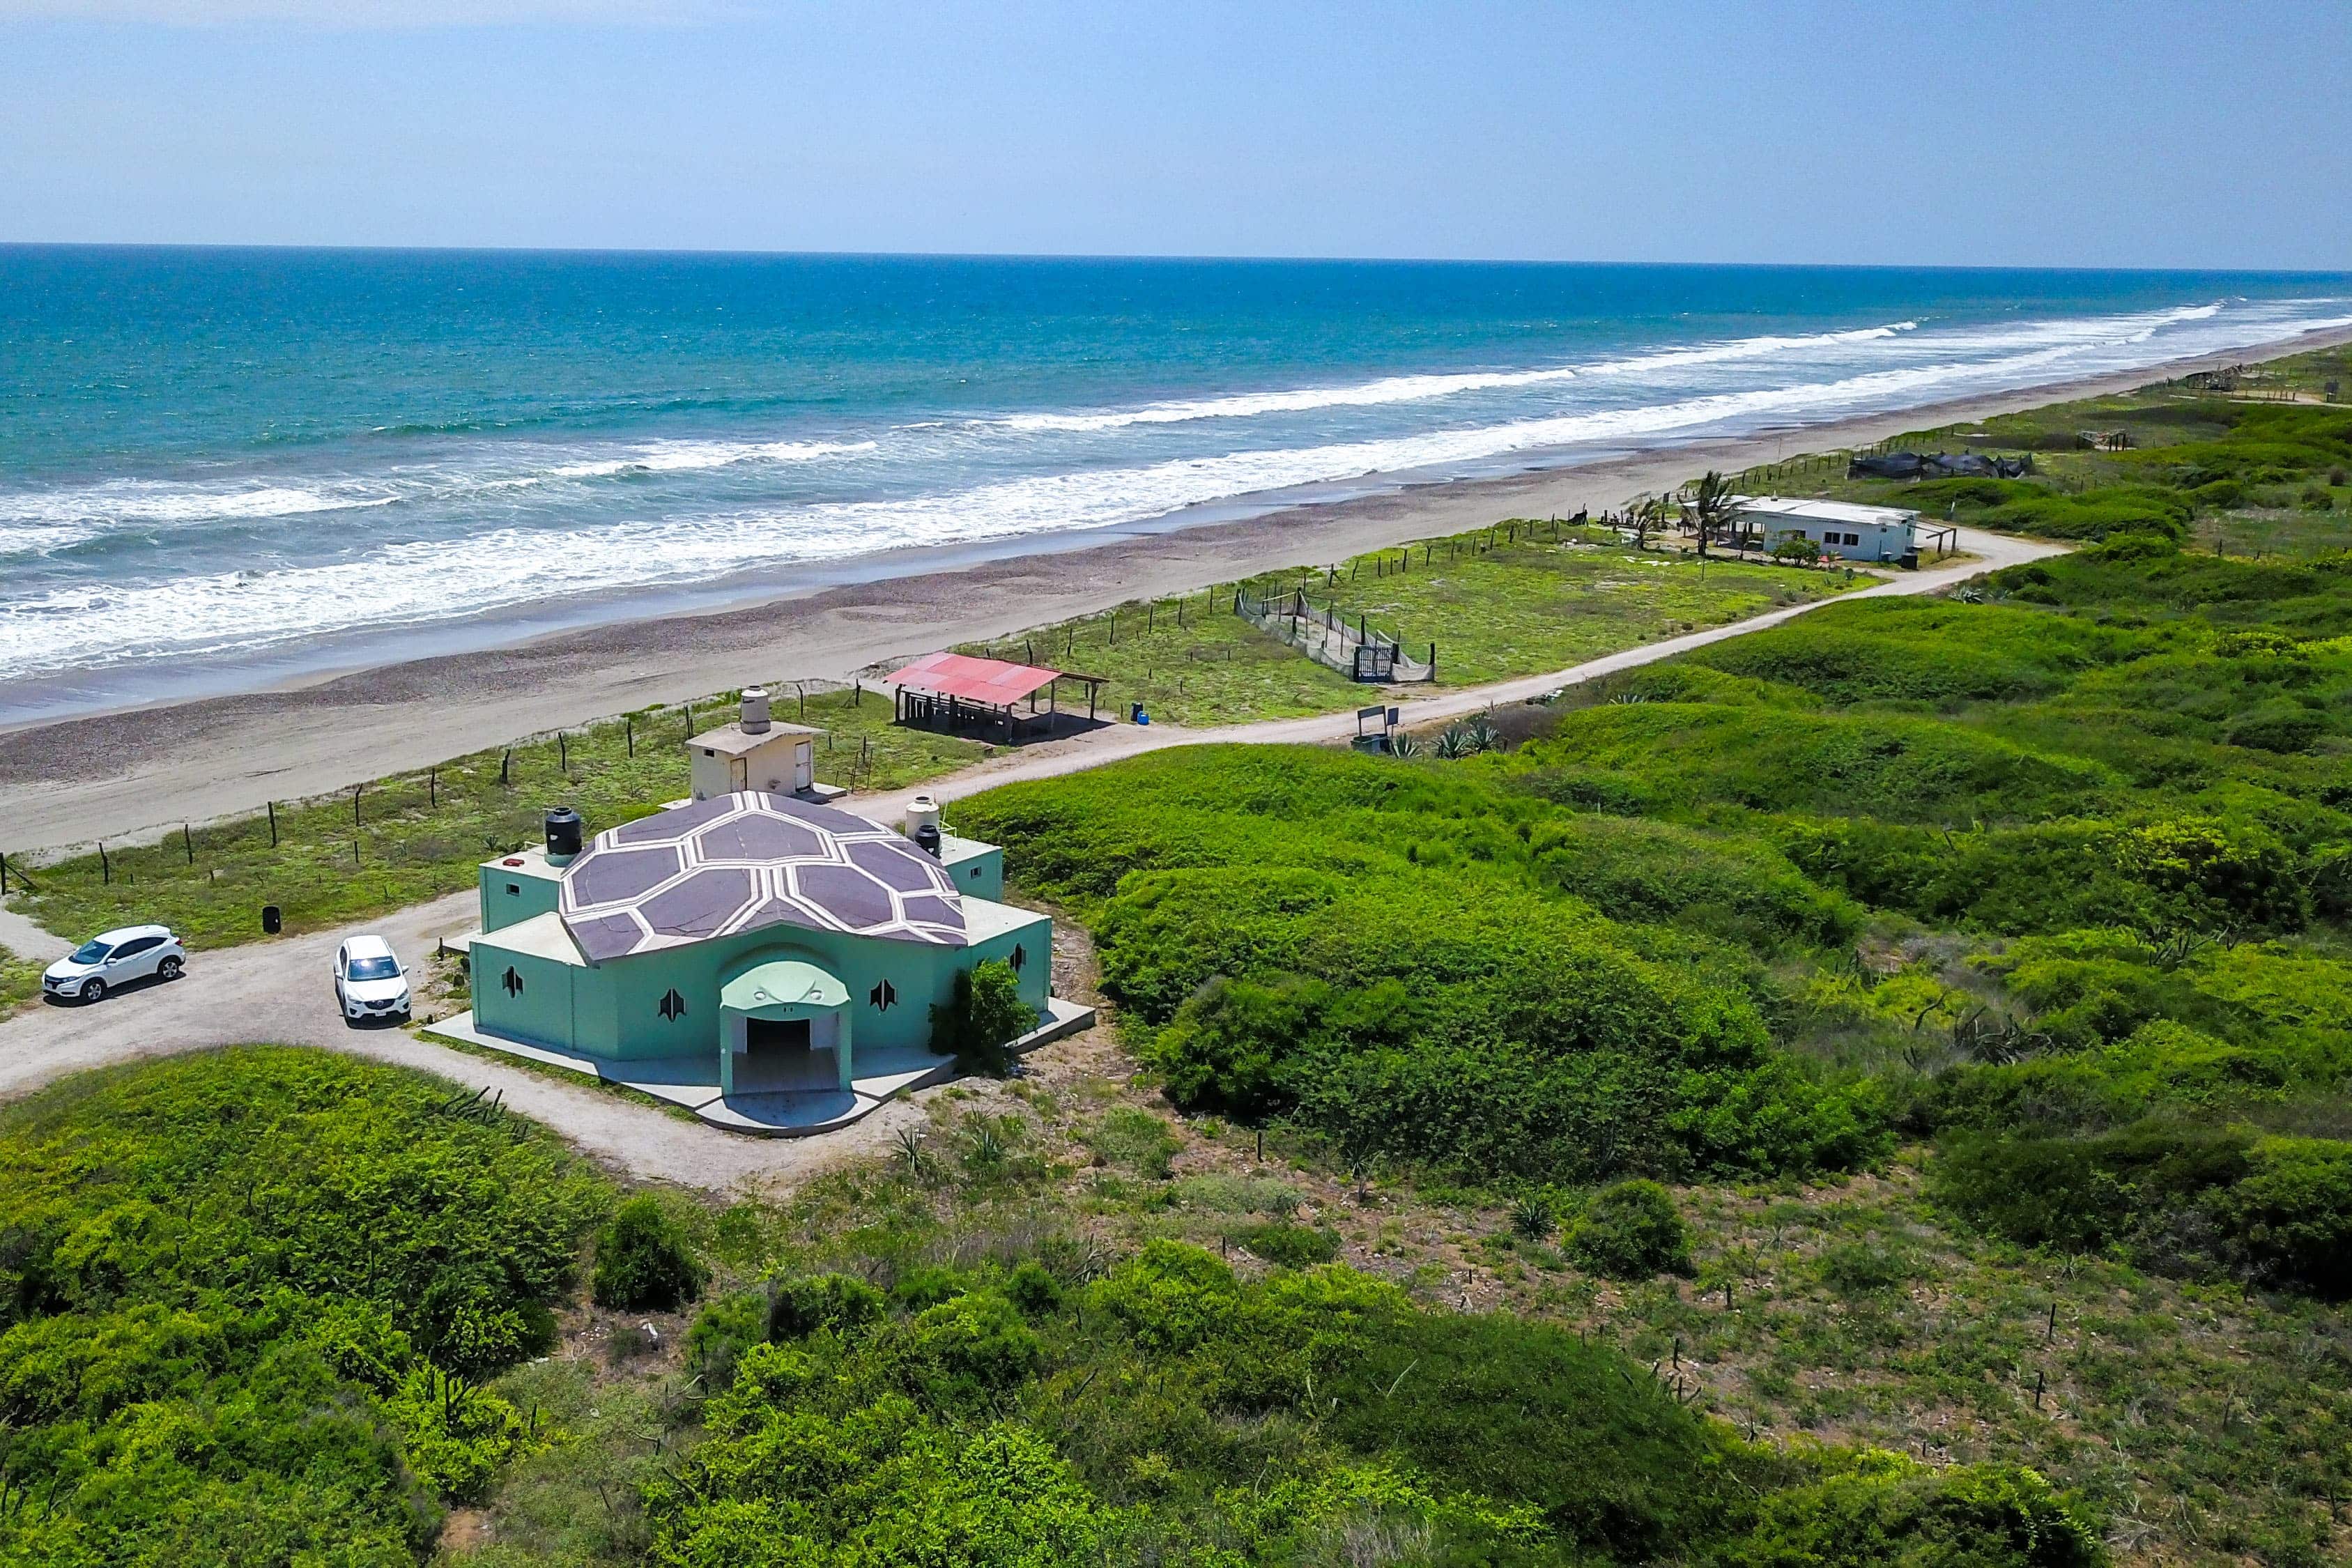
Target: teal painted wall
{"points": [[978, 868], [513, 893]]}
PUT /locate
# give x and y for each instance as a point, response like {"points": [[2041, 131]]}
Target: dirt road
{"points": [[282, 990]]}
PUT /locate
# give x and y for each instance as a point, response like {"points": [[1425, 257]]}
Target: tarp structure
{"points": [[959, 693], [1937, 465], [989, 680]]}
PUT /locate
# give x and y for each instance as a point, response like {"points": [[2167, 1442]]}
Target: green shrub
{"points": [[929, 1284], [982, 1018], [1032, 1287], [1630, 1231], [220, 1277], [975, 1341], [1884, 1509], [645, 1260], [1288, 1246], [832, 1303], [1136, 1139], [722, 1331]]}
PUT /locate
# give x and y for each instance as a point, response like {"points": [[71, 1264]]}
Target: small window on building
{"points": [[514, 886], [975, 873], [673, 1007], [512, 982], [882, 997], [1020, 957]]}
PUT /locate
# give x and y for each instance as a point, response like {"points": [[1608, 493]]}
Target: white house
{"points": [[1874, 533]]}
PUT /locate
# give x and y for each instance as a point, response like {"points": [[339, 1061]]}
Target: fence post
{"points": [[355, 803], [4, 872], [271, 806], [105, 867], [188, 843]]}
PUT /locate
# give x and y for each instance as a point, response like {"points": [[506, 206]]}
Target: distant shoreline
{"points": [[133, 771]]}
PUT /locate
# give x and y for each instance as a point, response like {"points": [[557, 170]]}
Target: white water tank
{"points": [[755, 710], [922, 812]]}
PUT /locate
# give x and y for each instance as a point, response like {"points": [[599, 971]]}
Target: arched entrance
{"points": [[784, 1028]]}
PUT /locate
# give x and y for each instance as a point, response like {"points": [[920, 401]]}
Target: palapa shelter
{"points": [[958, 692]]}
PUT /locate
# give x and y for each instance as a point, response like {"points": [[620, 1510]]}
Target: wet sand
{"points": [[132, 774]]}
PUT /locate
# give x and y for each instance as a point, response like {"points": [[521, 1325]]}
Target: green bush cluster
{"points": [[980, 1021], [1630, 1231], [244, 1297], [644, 1260], [1408, 961], [1170, 1410]]}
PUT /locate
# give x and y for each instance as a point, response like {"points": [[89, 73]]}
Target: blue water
{"points": [[223, 465]]}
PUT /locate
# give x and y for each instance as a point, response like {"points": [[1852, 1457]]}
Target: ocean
{"points": [[224, 466]]}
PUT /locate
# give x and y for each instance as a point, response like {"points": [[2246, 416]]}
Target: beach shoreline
{"points": [[135, 772]]}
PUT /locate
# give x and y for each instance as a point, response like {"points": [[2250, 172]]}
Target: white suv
{"points": [[369, 981], [113, 959]]}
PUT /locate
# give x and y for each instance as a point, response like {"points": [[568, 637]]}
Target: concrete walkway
{"points": [[283, 991]]}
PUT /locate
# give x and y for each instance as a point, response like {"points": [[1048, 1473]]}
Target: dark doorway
{"points": [[777, 1056]]}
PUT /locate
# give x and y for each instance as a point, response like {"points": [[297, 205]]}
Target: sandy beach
{"points": [[123, 774]]}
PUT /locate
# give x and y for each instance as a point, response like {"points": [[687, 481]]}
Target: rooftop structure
{"points": [[1846, 528], [753, 752], [744, 861], [749, 945], [956, 691]]}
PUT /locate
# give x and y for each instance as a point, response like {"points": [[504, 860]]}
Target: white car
{"points": [[369, 981], [113, 959]]}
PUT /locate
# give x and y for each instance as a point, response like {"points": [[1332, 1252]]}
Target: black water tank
{"points": [[563, 831], [272, 922], [927, 839]]}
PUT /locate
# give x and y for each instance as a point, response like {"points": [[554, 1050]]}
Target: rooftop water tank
{"points": [[755, 710], [562, 834], [922, 824]]}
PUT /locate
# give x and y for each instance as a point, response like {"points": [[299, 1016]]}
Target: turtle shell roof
{"points": [[740, 862]]}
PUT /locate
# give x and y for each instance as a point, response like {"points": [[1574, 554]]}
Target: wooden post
{"points": [[271, 806], [3, 872], [1432, 661], [355, 803], [629, 727], [355, 851], [188, 843], [105, 867], [433, 788], [562, 754], [857, 694], [506, 765]]}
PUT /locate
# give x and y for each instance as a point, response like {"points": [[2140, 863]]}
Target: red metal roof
{"points": [[988, 680]]}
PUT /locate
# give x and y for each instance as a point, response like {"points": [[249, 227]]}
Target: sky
{"points": [[2215, 134]]}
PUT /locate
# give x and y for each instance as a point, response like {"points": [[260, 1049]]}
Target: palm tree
{"points": [[1709, 509]]}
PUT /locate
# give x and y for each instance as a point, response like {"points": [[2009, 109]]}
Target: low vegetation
{"points": [[1520, 598], [247, 1302], [402, 840], [20, 980]]}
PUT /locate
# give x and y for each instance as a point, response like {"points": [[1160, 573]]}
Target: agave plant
{"points": [[1532, 1219], [1455, 744], [1402, 744], [1483, 737]]}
